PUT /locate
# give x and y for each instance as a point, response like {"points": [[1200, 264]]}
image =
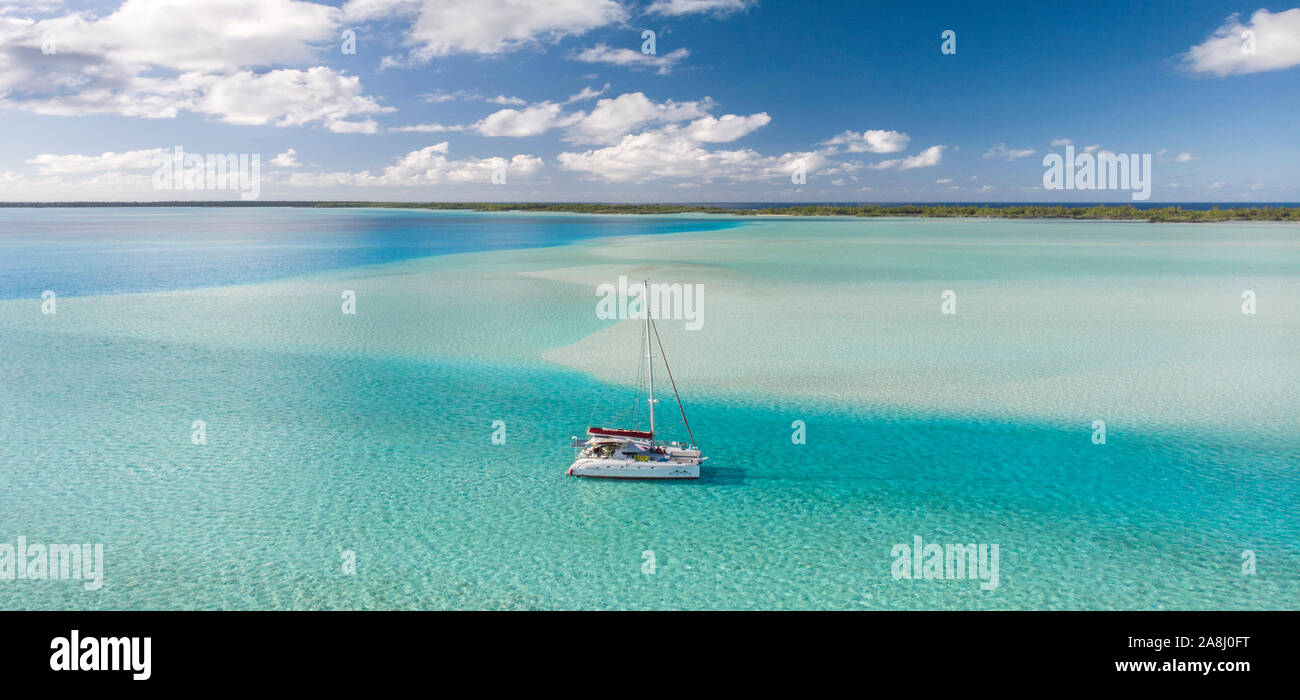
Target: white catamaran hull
{"points": [[633, 469]]}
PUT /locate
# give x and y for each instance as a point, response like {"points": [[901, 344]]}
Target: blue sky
{"points": [[559, 98]]}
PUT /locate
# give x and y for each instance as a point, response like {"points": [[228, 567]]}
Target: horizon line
{"points": [[701, 204]]}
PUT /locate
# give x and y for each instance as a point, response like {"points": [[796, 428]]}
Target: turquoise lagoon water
{"points": [[84, 251], [371, 433]]}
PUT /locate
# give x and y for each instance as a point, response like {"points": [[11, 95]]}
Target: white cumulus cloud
{"points": [[530, 121], [426, 166], [158, 58], [871, 141], [430, 128], [1229, 50], [289, 97], [662, 63], [445, 27], [288, 159], [1001, 151], [693, 7], [728, 127], [669, 152], [612, 118], [928, 157], [53, 164]]}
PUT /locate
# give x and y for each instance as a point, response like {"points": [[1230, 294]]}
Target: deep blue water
{"points": [[83, 252]]}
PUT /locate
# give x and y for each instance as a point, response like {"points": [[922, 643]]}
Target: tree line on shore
{"points": [[1010, 211], [1007, 211]]}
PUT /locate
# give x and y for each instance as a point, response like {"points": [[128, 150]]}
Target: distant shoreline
{"points": [[1168, 214]]}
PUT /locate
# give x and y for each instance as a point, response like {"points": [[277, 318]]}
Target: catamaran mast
{"points": [[649, 357]]}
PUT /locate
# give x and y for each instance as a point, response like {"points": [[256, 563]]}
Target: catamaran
{"points": [[635, 454]]}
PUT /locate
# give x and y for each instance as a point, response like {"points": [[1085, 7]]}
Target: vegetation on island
{"points": [[990, 211], [1007, 211]]}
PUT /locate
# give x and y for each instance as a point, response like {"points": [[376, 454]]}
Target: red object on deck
{"points": [[621, 433]]}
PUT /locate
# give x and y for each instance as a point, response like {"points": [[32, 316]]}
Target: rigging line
{"points": [[680, 407], [633, 412]]}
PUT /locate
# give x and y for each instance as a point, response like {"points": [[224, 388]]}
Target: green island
{"points": [[1171, 214]]}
